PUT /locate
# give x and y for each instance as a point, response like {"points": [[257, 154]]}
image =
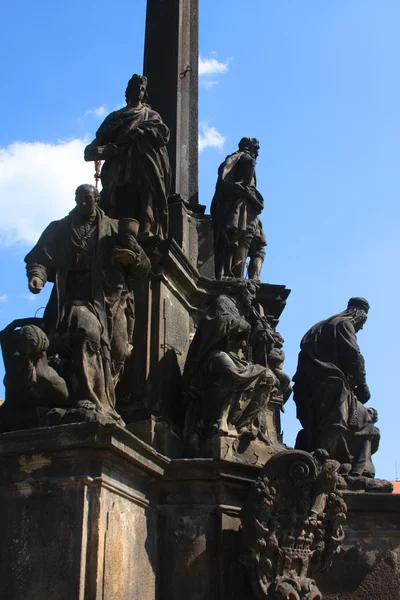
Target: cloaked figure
{"points": [[235, 211], [90, 314], [136, 174], [330, 392]]}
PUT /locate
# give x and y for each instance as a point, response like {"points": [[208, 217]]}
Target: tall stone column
{"points": [[171, 65]]}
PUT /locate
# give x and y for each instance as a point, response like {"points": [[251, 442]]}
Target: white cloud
{"points": [[3, 298], [210, 137], [98, 112], [208, 83], [37, 185], [212, 66]]}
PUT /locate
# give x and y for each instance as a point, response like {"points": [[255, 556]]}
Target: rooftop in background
{"points": [[396, 487]]}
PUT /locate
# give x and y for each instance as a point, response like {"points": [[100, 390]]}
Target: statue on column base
{"points": [[227, 394], [235, 211], [330, 392], [88, 321]]}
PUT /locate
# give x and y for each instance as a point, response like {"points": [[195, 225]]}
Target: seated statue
{"points": [[235, 211], [226, 393], [31, 384], [136, 174], [90, 315], [330, 391]]}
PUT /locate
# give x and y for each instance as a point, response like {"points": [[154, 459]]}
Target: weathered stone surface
{"points": [[367, 567], [91, 512], [78, 514], [246, 450]]}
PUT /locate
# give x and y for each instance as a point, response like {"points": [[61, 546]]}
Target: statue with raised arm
{"points": [[136, 175], [235, 213], [90, 314], [330, 392]]}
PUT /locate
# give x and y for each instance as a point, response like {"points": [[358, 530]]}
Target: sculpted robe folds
{"points": [[223, 389], [136, 175], [235, 211], [90, 315]]}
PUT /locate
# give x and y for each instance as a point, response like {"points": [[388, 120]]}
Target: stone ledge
{"points": [[64, 438]]}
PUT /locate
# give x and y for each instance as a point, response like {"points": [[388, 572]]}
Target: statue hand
{"points": [[35, 285]]}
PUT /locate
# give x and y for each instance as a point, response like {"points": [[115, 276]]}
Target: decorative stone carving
{"points": [[235, 211], [72, 362], [292, 524], [136, 175], [330, 392]]}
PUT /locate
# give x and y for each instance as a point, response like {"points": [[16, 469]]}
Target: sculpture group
{"points": [[66, 366]]}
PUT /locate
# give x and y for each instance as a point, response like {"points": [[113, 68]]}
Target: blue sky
{"points": [[316, 81]]}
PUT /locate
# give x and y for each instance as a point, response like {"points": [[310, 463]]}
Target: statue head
{"points": [[136, 90], [86, 198], [250, 145], [31, 342], [245, 289], [359, 308]]}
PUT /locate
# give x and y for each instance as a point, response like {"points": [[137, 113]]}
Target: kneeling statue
{"points": [[330, 392]]}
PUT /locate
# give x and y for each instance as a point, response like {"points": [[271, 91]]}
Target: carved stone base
{"points": [[368, 484], [92, 513], [78, 514], [244, 449]]}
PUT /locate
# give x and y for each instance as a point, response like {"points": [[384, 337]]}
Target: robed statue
{"points": [[331, 390], [136, 174], [89, 318], [235, 213], [226, 393]]}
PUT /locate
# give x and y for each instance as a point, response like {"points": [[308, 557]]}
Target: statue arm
{"points": [[352, 361], [40, 266], [102, 147]]}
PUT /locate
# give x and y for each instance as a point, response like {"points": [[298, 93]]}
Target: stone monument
{"points": [[141, 452]]}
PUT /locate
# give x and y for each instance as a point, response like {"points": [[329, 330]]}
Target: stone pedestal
{"points": [[78, 513], [91, 512]]}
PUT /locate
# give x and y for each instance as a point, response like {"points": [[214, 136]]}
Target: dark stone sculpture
{"points": [[330, 392], [267, 344], [235, 211], [292, 524], [136, 174], [32, 385], [226, 392], [90, 315]]}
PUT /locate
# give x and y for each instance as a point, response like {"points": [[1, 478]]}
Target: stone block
{"points": [[78, 514]]}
